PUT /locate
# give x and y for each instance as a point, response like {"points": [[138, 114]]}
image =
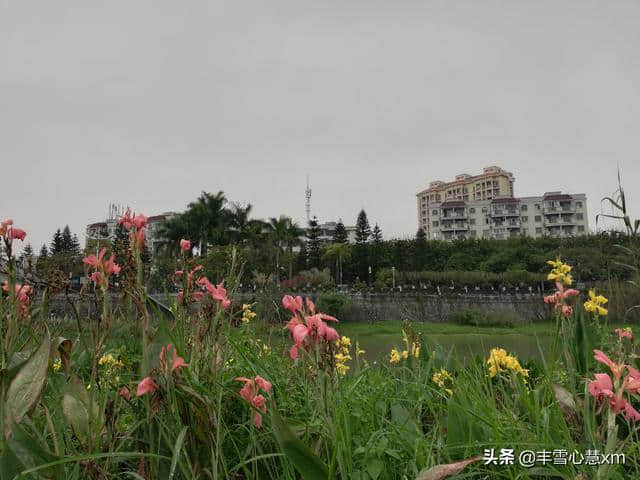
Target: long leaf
{"points": [[26, 387], [176, 451], [445, 470], [306, 462]]}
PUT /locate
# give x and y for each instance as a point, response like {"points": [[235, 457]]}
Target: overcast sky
{"points": [[147, 103]]}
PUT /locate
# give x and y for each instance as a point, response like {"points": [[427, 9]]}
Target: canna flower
{"points": [[125, 393], [559, 299], [560, 272], [616, 368], [441, 378], [22, 293], [612, 392], [9, 233], [103, 269], [217, 292], [394, 356], [624, 333], [176, 361], [294, 305], [594, 304], [307, 327], [135, 225], [247, 314], [250, 393], [500, 361], [185, 245], [145, 386], [415, 350]]}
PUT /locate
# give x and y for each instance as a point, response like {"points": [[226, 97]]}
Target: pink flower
{"points": [[630, 413], [22, 293], [292, 304], [615, 368], [217, 292], [17, 233], [624, 333], [559, 299], [176, 361], [145, 386], [125, 393], [250, 392], [140, 221], [135, 224], [185, 245], [103, 269], [602, 385]]}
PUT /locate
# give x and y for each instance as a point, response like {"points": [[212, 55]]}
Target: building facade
{"points": [[102, 232], [484, 206]]}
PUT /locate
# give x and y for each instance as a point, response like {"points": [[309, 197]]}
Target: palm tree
{"points": [[206, 221], [292, 238], [338, 252], [278, 230]]}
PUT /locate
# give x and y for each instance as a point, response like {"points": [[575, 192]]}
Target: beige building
{"points": [[483, 206]]}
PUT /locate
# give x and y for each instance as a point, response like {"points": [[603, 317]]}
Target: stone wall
{"points": [[435, 308]]}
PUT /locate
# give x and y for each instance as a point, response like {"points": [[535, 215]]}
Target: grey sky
{"points": [[148, 103]]}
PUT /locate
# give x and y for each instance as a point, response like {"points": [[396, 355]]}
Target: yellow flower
{"points": [[342, 369], [405, 339], [247, 314], [341, 358], [499, 361], [440, 377], [57, 365], [359, 352], [595, 302], [560, 272], [415, 350], [345, 342], [394, 356], [405, 354]]}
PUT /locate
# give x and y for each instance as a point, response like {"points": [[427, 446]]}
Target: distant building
{"points": [[484, 207], [105, 231], [328, 229]]}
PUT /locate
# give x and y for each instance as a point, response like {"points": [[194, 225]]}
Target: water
{"points": [[463, 346]]}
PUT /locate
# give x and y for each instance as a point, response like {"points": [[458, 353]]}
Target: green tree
{"points": [[376, 234], [57, 243], [26, 258], [421, 236], [278, 230], [363, 231], [338, 253], [361, 249], [340, 233], [41, 262], [314, 255]]}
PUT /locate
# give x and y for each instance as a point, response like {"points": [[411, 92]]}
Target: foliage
{"points": [[479, 318], [333, 303]]}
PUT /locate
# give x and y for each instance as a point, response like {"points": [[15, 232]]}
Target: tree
{"points": [[57, 243], [26, 258], [376, 234], [292, 238], [363, 231], [302, 259], [41, 262], [340, 233], [314, 255], [277, 229], [338, 252], [67, 239], [421, 236]]}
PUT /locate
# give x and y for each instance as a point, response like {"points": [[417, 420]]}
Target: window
{"points": [[578, 204], [485, 209], [525, 218], [537, 218], [538, 230], [472, 221], [435, 212], [579, 216], [525, 231], [523, 208], [537, 206], [472, 210], [581, 228], [472, 233], [435, 223]]}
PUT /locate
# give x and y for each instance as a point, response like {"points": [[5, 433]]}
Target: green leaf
{"points": [[176, 451], [78, 412], [62, 346], [374, 467], [26, 387], [305, 461], [30, 452]]}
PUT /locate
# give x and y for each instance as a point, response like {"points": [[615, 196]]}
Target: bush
{"points": [[479, 318], [332, 303]]}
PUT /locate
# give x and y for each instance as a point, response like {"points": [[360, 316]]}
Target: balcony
{"points": [[559, 221], [505, 212], [547, 210], [453, 214], [454, 226]]}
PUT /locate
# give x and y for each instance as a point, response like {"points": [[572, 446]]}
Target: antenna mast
{"points": [[307, 204]]}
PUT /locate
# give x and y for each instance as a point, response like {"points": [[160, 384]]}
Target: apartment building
{"points": [[448, 216]]}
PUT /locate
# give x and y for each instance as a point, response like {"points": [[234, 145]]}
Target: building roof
{"points": [[452, 203], [557, 196], [506, 200]]}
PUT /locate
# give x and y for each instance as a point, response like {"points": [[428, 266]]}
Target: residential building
{"points": [[105, 231], [327, 230], [483, 206]]}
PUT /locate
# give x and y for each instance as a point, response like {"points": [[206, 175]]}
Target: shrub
{"points": [[480, 318], [333, 303]]}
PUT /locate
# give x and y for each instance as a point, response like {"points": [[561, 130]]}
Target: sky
{"points": [[148, 103]]}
